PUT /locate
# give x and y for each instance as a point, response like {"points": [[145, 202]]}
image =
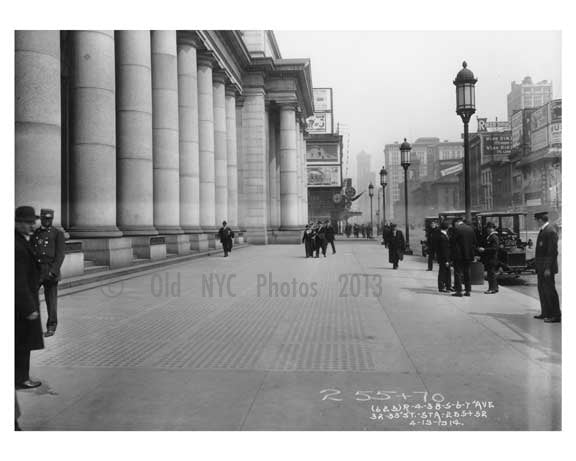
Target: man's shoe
{"points": [[28, 384], [452, 289], [428, 270], [49, 332], [457, 294], [539, 316], [552, 320], [467, 293], [490, 292]]}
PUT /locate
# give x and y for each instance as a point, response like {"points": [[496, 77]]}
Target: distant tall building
{"points": [[364, 176], [527, 95], [422, 153], [395, 177]]}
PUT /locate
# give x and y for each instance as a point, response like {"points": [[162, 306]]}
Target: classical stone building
{"points": [[144, 141]]}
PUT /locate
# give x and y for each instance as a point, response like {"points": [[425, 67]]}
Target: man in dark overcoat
{"points": [[28, 326], [321, 242], [226, 235], [432, 239], [330, 237], [48, 244], [396, 246], [463, 251], [307, 239], [546, 268], [443, 257]]}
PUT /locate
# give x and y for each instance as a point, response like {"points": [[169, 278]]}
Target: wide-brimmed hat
{"points": [[26, 214]]}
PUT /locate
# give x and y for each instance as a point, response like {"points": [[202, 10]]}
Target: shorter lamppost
{"points": [[383, 183], [405, 150], [371, 194]]}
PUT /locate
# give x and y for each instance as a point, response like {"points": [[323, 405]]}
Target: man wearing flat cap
{"points": [[546, 267], [48, 244], [28, 326]]}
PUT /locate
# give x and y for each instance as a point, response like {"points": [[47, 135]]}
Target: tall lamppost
{"points": [[383, 183], [465, 107], [371, 194], [405, 150]]}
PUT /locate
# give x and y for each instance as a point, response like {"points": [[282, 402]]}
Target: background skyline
{"points": [[394, 84]]}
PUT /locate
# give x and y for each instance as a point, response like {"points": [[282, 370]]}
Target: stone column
{"points": [[206, 146], [299, 171], [37, 120], [241, 159], [231, 152], [252, 162], [134, 133], [305, 180], [288, 168], [93, 149], [220, 147]]}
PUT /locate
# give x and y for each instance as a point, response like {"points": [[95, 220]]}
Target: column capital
{"points": [[189, 38], [231, 90], [287, 105], [206, 59], [240, 100], [219, 76]]}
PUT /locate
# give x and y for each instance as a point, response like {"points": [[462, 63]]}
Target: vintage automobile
{"points": [[512, 254]]}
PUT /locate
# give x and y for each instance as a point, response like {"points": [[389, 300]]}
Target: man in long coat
{"points": [[396, 246], [463, 250], [226, 235], [490, 257], [546, 268], [307, 239], [443, 257], [28, 326]]}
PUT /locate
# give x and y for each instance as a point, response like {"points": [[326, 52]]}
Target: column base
{"points": [[288, 236], [147, 247], [129, 231], [73, 260], [177, 244], [256, 235], [169, 230], [198, 242], [94, 232], [111, 252]]}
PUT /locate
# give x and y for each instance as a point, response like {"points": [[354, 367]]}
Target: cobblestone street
{"points": [[269, 340]]}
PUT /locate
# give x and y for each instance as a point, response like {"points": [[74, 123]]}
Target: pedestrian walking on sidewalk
{"points": [[490, 257], [48, 244], [307, 239], [28, 328], [443, 258], [321, 242], [330, 236], [396, 246], [546, 268], [463, 250], [226, 236]]}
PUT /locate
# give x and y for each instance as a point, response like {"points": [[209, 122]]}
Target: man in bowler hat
{"points": [[396, 246], [546, 267], [28, 326], [226, 235], [48, 244]]}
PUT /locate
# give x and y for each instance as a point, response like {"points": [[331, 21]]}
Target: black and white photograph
{"points": [[286, 228]]}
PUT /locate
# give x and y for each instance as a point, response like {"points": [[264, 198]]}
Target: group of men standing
{"points": [[364, 230], [316, 238], [458, 246], [39, 254]]}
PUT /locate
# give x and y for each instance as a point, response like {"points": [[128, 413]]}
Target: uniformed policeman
{"points": [[48, 244], [546, 262]]}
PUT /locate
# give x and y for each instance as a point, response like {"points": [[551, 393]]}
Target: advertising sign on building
{"points": [[539, 138], [498, 144], [322, 152], [324, 176], [322, 121], [322, 99], [555, 111], [555, 134], [485, 126], [540, 117], [517, 126]]}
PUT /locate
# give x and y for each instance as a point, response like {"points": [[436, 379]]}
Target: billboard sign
{"points": [[517, 127], [322, 152], [322, 99], [555, 134], [539, 138], [498, 144], [324, 176], [320, 123], [540, 117], [484, 126], [555, 111]]}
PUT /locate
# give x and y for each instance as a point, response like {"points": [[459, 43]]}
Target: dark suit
{"points": [[226, 235], [321, 242], [48, 245], [28, 333], [307, 239], [443, 256], [330, 237], [463, 249], [547, 259], [490, 260], [432, 240], [396, 247]]}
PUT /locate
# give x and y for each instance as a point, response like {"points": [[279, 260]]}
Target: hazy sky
{"points": [[390, 85]]}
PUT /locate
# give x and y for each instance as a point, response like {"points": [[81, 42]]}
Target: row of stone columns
{"points": [[158, 142]]}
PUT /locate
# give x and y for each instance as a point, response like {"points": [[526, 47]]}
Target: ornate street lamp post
{"points": [[405, 150], [383, 183], [465, 107], [371, 194]]}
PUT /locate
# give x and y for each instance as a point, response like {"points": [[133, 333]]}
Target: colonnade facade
{"points": [[143, 142]]}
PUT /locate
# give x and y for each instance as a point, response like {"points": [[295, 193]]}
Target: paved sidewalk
{"points": [[358, 347]]}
